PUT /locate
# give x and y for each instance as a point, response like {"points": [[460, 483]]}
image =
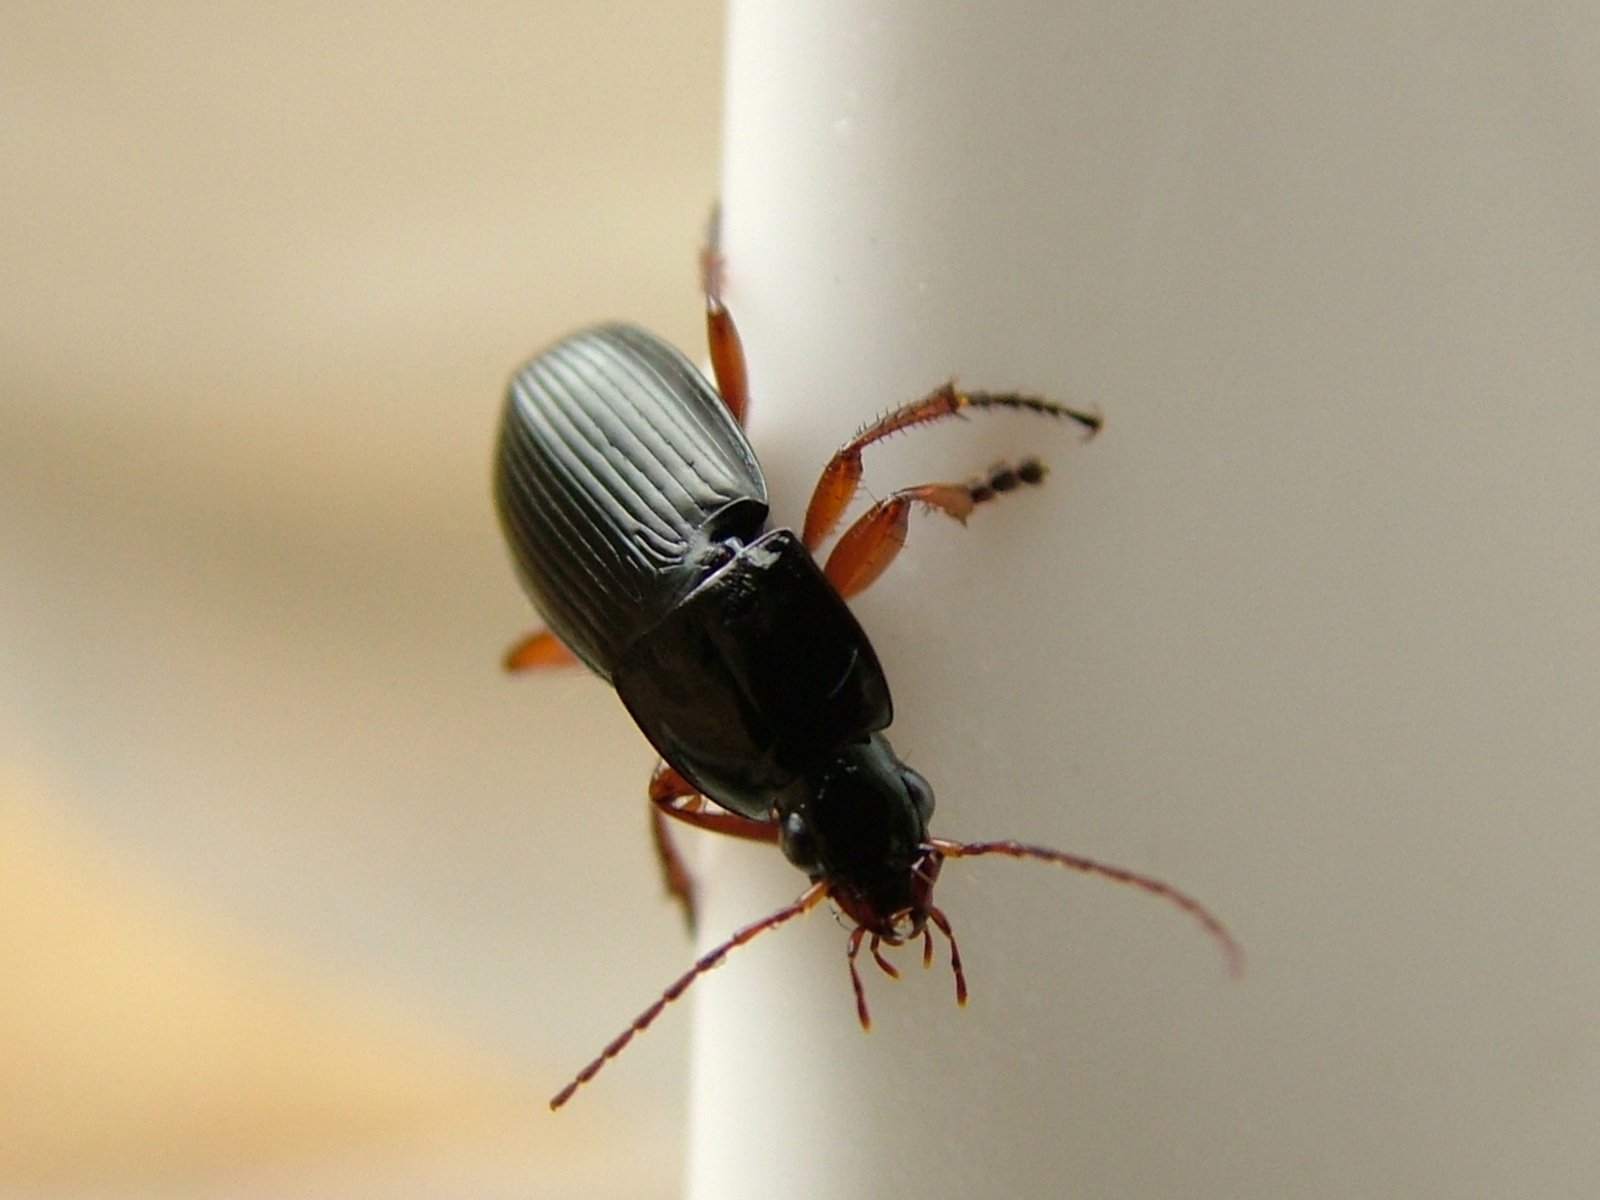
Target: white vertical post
{"points": [[1308, 630], [899, 191]]}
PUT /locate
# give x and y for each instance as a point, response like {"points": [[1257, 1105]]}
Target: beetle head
{"points": [[858, 828], [860, 824]]}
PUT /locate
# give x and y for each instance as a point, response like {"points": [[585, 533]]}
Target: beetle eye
{"points": [[920, 793], [798, 843]]}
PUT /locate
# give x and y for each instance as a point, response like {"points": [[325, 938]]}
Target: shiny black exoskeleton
{"points": [[637, 516]]}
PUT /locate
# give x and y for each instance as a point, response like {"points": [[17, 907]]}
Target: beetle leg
{"points": [[542, 649], [842, 476], [679, 799], [671, 795], [866, 548], [674, 872], [727, 359], [727, 351]]}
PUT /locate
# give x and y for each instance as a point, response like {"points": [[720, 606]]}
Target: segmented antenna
{"points": [[1230, 947], [711, 958], [860, 937]]}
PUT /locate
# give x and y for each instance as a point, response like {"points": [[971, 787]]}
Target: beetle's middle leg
{"points": [[727, 351], [671, 795], [842, 476]]}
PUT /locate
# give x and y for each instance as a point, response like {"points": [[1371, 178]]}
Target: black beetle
{"points": [[637, 517]]}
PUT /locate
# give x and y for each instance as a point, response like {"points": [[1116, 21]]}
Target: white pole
{"points": [[899, 195], [1268, 637]]}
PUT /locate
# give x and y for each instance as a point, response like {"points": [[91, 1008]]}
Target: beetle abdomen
{"points": [[618, 471]]}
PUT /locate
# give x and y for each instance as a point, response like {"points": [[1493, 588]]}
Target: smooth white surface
{"points": [[1310, 630]]}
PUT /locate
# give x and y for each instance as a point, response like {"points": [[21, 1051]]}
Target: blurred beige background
{"points": [[300, 895]]}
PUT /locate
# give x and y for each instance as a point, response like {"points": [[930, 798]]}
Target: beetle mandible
{"points": [[637, 518]]}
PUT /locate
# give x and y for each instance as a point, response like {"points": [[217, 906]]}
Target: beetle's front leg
{"points": [[671, 795], [841, 477]]}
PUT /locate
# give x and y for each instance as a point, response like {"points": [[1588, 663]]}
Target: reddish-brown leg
{"points": [[727, 351], [671, 795], [542, 649], [674, 871], [842, 476], [870, 544]]}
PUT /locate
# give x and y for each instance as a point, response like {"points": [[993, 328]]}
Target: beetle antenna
{"points": [[711, 958], [1230, 947]]}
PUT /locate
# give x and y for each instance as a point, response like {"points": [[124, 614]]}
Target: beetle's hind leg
{"points": [[842, 476], [671, 795], [727, 351], [869, 545]]}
